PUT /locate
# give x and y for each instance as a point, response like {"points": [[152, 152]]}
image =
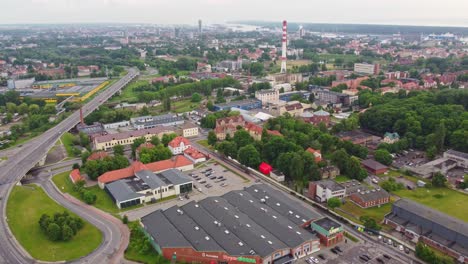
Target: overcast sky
{"points": [[411, 12]]}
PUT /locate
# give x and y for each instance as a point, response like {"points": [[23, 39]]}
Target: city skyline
{"points": [[418, 12]]}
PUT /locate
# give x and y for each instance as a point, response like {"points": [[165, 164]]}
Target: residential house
{"points": [[370, 198], [374, 167], [178, 145], [391, 138]]}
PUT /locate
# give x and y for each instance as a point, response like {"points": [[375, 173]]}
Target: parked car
{"points": [[337, 248], [334, 251], [322, 256], [386, 256], [366, 256], [379, 260], [363, 258]]}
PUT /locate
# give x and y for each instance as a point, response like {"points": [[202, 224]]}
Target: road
{"points": [[31, 153]]}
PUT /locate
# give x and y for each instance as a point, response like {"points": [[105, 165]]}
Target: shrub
{"points": [[61, 227]]}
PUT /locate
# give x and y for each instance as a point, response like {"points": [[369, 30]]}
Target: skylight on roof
{"points": [[290, 227], [216, 201], [297, 216], [297, 232], [197, 228], [277, 204], [241, 194], [225, 208], [275, 217], [262, 236], [247, 225], [236, 216], [255, 190], [197, 206], [226, 231], [240, 244], [269, 242], [207, 238]]}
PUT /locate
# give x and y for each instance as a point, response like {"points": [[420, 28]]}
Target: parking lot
{"points": [[353, 253], [212, 179]]}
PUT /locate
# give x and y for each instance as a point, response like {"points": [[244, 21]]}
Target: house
{"points": [[370, 198], [228, 126], [256, 131], [147, 186], [98, 155], [374, 167], [194, 155], [434, 228], [317, 117], [189, 130], [329, 231], [329, 172], [178, 145], [179, 162], [316, 153], [391, 138], [325, 189], [75, 176]]}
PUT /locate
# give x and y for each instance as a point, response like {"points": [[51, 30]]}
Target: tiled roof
{"points": [[147, 145], [179, 140], [75, 175], [98, 155], [172, 163], [194, 153]]}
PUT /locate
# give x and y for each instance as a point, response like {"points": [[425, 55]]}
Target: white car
{"points": [[400, 247], [314, 260]]}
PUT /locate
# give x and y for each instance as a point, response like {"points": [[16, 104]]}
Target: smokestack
{"points": [[81, 116], [284, 43]]}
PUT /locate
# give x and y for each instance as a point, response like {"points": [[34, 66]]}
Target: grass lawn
{"points": [[127, 93], [133, 251], [205, 144], [356, 211], [25, 206], [443, 199], [67, 141], [342, 178]]}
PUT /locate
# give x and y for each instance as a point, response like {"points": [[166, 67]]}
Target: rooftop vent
{"points": [[197, 205], [262, 200], [207, 238], [240, 244], [180, 211], [226, 231], [277, 204], [297, 232], [241, 194], [269, 242], [225, 208], [255, 190], [216, 201], [197, 228], [247, 225], [275, 217], [251, 201], [236, 216], [290, 212], [262, 236], [290, 227]]}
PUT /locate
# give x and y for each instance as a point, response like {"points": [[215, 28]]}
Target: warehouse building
{"points": [[436, 229], [145, 122], [238, 227]]}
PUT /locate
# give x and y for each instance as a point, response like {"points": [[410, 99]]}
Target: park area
{"points": [[25, 206]]}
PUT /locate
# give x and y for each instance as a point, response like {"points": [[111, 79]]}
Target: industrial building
{"points": [[126, 138], [147, 186], [256, 225], [144, 122], [331, 97], [248, 104], [436, 229]]}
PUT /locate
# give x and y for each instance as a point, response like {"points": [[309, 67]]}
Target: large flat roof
{"points": [[237, 223]]}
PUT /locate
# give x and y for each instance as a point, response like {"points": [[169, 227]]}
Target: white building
{"points": [[189, 130], [117, 125], [366, 68], [178, 145], [267, 96], [326, 189]]}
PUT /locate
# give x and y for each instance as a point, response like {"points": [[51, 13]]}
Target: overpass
{"points": [[31, 153]]}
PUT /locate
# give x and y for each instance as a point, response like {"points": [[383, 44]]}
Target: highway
{"points": [[31, 153]]}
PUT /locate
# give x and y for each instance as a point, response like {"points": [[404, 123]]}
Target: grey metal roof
{"points": [[373, 164], [283, 228], [174, 176], [331, 185], [255, 236], [436, 223], [216, 229], [327, 223], [121, 191], [372, 195], [150, 178], [199, 239], [163, 232], [457, 153], [282, 204]]}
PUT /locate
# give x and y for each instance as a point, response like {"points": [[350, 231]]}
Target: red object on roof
{"points": [[316, 153], [178, 140], [98, 155], [158, 166], [75, 176], [265, 168]]}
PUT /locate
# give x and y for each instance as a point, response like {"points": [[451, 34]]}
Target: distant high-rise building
{"points": [[301, 31], [284, 41], [199, 26]]}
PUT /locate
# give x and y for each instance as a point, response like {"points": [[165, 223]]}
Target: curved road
{"points": [[20, 163]]}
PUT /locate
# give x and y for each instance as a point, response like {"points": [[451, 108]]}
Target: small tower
{"points": [[284, 43]]}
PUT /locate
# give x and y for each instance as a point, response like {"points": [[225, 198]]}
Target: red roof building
{"points": [[265, 168], [98, 155], [178, 145], [316, 153], [194, 155], [179, 162], [75, 176]]}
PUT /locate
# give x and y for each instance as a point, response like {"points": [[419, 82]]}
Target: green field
{"points": [[128, 95], [354, 211], [25, 206], [67, 141], [342, 178], [450, 201]]}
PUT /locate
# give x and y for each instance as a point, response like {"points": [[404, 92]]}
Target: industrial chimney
{"points": [[283, 50]]}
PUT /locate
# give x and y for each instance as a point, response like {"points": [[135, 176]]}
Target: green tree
{"points": [[67, 233], [196, 97], [438, 180], [249, 156], [125, 219], [118, 149], [54, 232], [210, 105], [166, 138], [242, 138], [23, 109], [89, 197], [370, 223], [334, 202], [354, 169], [212, 138], [228, 148], [383, 156]]}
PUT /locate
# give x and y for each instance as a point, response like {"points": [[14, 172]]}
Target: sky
{"points": [[395, 12]]}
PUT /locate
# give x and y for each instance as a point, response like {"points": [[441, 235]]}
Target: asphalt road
{"points": [[31, 152]]}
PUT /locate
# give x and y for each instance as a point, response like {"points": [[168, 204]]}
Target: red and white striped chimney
{"points": [[284, 43]]}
